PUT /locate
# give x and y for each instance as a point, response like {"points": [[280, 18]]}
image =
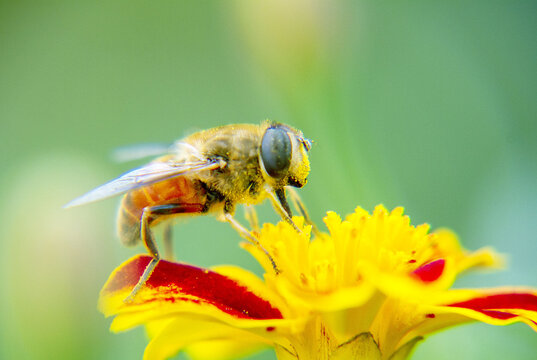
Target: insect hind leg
{"points": [[149, 215]]}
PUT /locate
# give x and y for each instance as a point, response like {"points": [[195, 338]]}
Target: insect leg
{"points": [[301, 208], [251, 216], [149, 215], [279, 202], [251, 238]]}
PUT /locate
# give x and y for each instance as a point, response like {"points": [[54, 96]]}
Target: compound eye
{"points": [[276, 152]]}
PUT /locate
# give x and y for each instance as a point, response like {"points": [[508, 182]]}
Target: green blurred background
{"points": [[423, 104]]}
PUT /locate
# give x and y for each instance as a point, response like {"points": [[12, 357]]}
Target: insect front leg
{"points": [[150, 214], [251, 216], [298, 204], [279, 202], [244, 233]]}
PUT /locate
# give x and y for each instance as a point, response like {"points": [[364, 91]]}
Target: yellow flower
{"points": [[370, 289]]}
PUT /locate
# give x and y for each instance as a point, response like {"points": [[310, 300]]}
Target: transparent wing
{"points": [[139, 151], [145, 175]]}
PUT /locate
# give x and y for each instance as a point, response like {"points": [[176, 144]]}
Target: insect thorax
{"points": [[240, 181]]}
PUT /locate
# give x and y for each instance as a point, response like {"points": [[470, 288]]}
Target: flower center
{"points": [[383, 242]]}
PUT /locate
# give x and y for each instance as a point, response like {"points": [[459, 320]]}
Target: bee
{"points": [[208, 172]]}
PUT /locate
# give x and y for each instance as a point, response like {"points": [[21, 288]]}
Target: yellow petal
{"points": [[224, 349], [184, 331]]}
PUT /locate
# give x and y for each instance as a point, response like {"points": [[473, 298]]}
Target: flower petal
{"points": [[393, 321], [186, 331], [343, 298], [174, 288], [428, 283], [399, 323], [224, 349], [448, 245], [255, 285], [496, 307], [431, 271], [500, 308]]}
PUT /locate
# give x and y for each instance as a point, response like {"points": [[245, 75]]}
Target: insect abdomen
{"points": [[178, 190]]}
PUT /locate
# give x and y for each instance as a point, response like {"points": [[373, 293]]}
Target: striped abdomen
{"points": [[179, 190]]}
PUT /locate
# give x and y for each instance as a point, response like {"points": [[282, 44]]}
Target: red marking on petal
{"points": [[498, 314], [430, 316], [271, 328], [173, 281], [431, 271], [128, 274], [523, 301], [411, 261]]}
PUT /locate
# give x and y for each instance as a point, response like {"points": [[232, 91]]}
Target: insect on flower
{"points": [[210, 171]]}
